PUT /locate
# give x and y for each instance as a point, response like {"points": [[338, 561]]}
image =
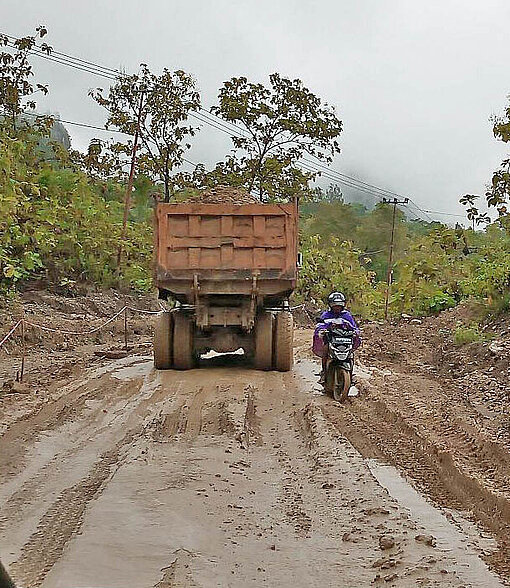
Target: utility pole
{"points": [[389, 276], [127, 198]]}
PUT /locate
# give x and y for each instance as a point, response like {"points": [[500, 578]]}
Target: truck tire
{"points": [[163, 335], [183, 342], [264, 341], [283, 341]]}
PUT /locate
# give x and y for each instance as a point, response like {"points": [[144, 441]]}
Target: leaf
{"points": [[9, 271]]}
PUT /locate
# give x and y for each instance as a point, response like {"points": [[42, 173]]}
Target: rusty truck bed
{"points": [[226, 248]]}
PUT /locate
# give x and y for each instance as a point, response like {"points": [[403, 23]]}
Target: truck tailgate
{"points": [[225, 241]]}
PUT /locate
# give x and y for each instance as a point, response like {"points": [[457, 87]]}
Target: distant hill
{"points": [[59, 134]]}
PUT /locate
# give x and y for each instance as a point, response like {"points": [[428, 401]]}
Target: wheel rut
{"points": [[223, 476], [64, 518], [447, 453]]}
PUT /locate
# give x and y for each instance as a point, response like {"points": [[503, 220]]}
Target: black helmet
{"points": [[336, 299]]}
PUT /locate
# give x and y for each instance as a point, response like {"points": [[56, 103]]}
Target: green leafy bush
{"points": [[464, 335], [56, 225], [334, 265]]}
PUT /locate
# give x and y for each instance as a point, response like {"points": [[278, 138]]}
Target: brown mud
{"points": [[115, 475]]}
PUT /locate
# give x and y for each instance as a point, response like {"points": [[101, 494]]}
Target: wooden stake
{"points": [[23, 349], [125, 329]]}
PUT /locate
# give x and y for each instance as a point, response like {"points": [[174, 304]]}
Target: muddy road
{"points": [[121, 476]]}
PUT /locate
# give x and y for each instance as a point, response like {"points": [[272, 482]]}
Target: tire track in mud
{"points": [[374, 516], [14, 508], [461, 433], [181, 416], [64, 518], [323, 495], [68, 407], [251, 424], [214, 410], [103, 417], [18, 437], [283, 433], [451, 463]]}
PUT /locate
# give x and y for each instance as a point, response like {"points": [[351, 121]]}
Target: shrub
{"points": [[464, 335]]}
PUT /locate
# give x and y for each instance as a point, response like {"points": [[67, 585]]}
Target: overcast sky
{"points": [[414, 82]]}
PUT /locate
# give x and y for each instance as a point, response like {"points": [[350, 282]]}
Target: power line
{"points": [[68, 63], [418, 210], [90, 126], [208, 117], [377, 197], [76, 124], [445, 213], [205, 117], [190, 162], [37, 49], [200, 117]]}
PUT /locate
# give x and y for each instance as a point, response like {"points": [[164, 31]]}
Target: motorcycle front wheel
{"points": [[341, 383]]}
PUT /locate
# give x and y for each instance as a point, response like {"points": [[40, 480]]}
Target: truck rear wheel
{"points": [[163, 335], [283, 341], [183, 342], [264, 341]]}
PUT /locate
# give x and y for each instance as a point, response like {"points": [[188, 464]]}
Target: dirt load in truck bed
{"points": [[224, 195]]}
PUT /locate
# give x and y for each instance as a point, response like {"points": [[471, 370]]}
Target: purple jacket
{"points": [[318, 344]]}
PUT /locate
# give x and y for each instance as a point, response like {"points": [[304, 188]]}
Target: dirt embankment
{"points": [[115, 475]]}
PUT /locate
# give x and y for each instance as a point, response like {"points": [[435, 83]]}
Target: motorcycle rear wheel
{"points": [[341, 384]]}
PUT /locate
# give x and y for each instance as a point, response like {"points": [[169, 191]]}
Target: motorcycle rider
{"points": [[336, 303]]}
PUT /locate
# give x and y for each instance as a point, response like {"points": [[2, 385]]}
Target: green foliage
{"points": [[333, 219], [61, 214], [16, 87], [464, 335], [159, 107], [498, 193], [55, 225], [332, 264]]}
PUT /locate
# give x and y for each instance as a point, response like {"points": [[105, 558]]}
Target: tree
{"points": [[373, 236], [334, 193], [16, 88], [498, 193], [103, 160], [278, 126], [333, 219], [473, 214], [158, 107], [332, 263]]}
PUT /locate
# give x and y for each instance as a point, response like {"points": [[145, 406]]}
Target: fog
{"points": [[414, 83]]}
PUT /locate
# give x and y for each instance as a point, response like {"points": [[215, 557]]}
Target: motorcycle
{"points": [[340, 360]]}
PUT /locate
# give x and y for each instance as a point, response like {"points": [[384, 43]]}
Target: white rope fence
{"points": [[23, 323]]}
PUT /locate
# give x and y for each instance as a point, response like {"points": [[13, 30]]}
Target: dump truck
{"points": [[230, 268]]}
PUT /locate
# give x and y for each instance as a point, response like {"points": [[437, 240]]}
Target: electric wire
{"points": [[195, 165], [207, 117]]}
